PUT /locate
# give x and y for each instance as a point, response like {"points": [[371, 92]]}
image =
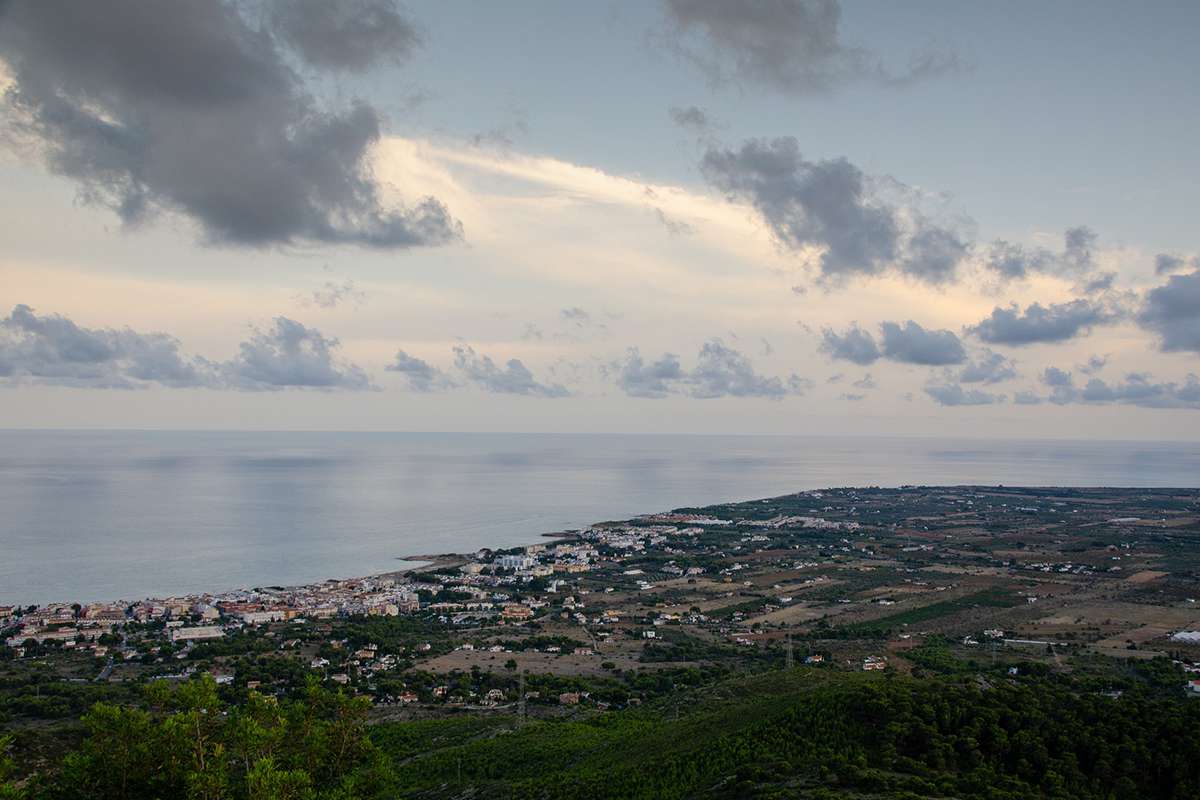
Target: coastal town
{"points": [[1020, 580]]}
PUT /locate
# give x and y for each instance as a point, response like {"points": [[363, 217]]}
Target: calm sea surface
{"points": [[107, 515]]}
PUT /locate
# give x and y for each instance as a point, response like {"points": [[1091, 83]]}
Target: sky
{"points": [[681, 216]]}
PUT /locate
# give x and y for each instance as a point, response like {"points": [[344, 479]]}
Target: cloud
{"points": [[351, 35], [636, 378], [720, 371], [1173, 312], [576, 316], [691, 118], [1078, 244], [790, 45], [54, 350], [1138, 389], [420, 375], [1100, 283], [1056, 322], [952, 394], [1165, 263], [988, 367], [675, 227], [1015, 261], [514, 378], [291, 355], [1094, 364], [191, 108], [808, 203], [911, 344], [865, 382], [829, 205], [854, 345], [907, 343], [331, 294], [934, 254], [572, 324], [1061, 384], [1012, 261]]}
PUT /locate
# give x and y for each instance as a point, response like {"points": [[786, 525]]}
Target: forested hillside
{"points": [[781, 734]]}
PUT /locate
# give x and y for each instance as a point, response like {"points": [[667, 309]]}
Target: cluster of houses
{"points": [[205, 616], [488, 587]]}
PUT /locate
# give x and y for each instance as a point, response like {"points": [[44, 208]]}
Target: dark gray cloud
{"points": [[638, 379], [190, 108], [1173, 312], [907, 343], [1094, 364], [1012, 261], [720, 371], [514, 378], [291, 355], [691, 118], [934, 254], [790, 45], [952, 394], [1056, 322], [911, 344], [420, 375], [854, 345], [1016, 261], [809, 203], [352, 35], [830, 205], [1078, 244], [1061, 384], [54, 350], [1165, 263], [988, 367], [1138, 389], [1097, 283]]}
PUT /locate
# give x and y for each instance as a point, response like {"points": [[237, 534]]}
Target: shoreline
{"points": [[419, 562], [426, 561]]}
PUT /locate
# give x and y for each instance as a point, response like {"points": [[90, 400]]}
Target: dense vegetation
{"points": [[782, 734], [803, 734], [186, 743]]}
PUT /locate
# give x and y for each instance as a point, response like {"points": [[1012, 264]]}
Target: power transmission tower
{"points": [[788, 651]]}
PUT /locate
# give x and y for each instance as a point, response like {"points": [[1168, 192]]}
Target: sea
{"points": [[125, 515]]}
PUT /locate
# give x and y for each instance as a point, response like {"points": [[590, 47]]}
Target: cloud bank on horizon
{"points": [[299, 214]]}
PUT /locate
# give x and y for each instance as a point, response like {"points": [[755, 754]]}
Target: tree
{"points": [[265, 781], [190, 745], [8, 789]]}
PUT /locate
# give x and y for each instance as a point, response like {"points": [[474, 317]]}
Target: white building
{"points": [[516, 562]]}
